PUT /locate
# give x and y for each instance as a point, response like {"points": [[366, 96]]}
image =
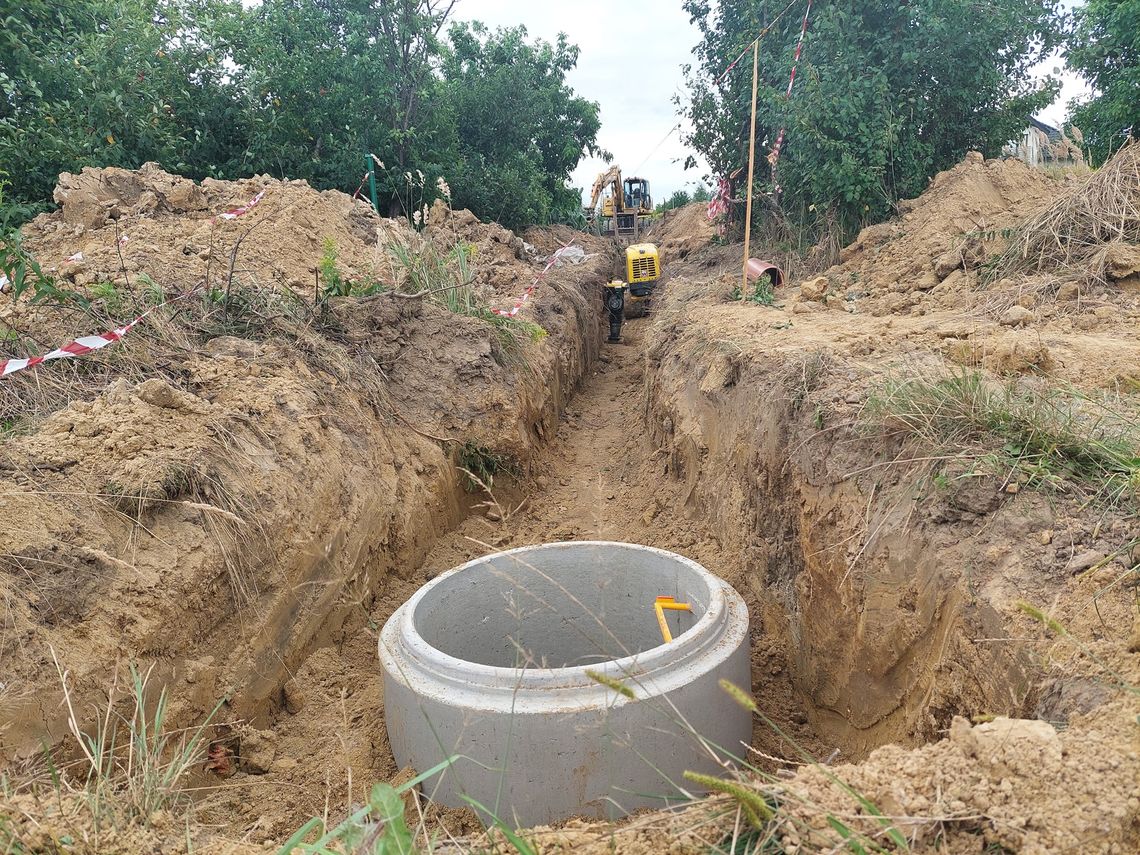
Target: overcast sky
{"points": [[630, 63]]}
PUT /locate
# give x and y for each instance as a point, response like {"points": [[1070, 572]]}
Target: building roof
{"points": [[1051, 132]]}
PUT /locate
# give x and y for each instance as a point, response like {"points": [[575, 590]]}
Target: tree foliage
{"points": [[294, 88], [1103, 44], [887, 93], [109, 82], [521, 129]]}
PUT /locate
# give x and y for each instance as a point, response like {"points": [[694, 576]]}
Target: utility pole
{"points": [[751, 164]]}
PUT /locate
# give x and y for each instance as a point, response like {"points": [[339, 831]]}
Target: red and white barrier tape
{"points": [[88, 343], [774, 156], [521, 301], [78, 347], [719, 203], [234, 213], [84, 344]]}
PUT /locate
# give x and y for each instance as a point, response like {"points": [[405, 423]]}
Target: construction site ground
{"points": [[944, 649]]}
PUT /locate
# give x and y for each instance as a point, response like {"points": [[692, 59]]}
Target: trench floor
{"points": [[600, 478]]}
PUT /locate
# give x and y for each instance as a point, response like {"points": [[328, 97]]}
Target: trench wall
{"points": [[876, 591], [305, 489]]}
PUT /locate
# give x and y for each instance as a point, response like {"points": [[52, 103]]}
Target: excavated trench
{"points": [[668, 446]]}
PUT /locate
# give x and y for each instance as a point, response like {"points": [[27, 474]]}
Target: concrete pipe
{"points": [[489, 662]]}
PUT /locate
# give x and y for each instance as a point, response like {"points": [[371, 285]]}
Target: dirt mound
{"points": [[116, 225], [175, 236], [682, 231], [958, 223]]}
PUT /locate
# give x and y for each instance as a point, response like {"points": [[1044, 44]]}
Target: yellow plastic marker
{"points": [[662, 603]]}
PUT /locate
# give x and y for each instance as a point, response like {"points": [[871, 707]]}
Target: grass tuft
{"points": [[1057, 439], [1070, 233], [132, 768], [447, 280]]}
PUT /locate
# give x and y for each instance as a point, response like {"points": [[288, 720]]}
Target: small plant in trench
{"points": [[484, 464], [761, 293]]}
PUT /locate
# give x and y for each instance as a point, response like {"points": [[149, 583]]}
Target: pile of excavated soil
{"points": [[115, 225], [682, 231], [229, 510], [922, 277], [961, 220], [174, 235]]}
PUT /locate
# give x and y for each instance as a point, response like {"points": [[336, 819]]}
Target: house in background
{"points": [[1041, 144]]}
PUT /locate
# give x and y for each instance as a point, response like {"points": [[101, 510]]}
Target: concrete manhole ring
{"points": [[489, 662]]}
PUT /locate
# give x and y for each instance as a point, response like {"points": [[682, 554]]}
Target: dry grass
{"points": [[130, 770], [1072, 233], [1054, 439]]}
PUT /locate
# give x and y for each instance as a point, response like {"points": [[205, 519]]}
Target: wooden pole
{"points": [[751, 165]]}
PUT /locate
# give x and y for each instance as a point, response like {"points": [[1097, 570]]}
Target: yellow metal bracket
{"points": [[660, 605]]}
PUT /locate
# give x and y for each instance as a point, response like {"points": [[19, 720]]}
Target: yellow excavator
{"points": [[626, 203], [625, 211]]}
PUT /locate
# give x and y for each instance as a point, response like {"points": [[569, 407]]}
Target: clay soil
{"points": [[893, 662]]}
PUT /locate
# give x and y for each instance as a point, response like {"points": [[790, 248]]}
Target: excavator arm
{"points": [[610, 176]]}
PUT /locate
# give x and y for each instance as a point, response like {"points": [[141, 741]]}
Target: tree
{"points": [[295, 88], [679, 199], [1103, 43], [887, 93], [111, 82], [329, 82], [521, 130]]}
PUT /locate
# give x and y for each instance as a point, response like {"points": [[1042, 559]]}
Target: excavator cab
{"points": [[637, 198]]}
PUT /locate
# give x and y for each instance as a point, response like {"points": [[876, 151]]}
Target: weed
{"points": [[609, 682], [19, 265], [447, 281], [484, 464], [133, 767], [152, 291], [109, 294], [761, 293], [1058, 439], [377, 828], [335, 285]]}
